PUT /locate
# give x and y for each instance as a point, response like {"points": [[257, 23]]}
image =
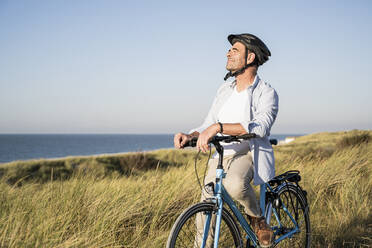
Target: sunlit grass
{"points": [[133, 200]]}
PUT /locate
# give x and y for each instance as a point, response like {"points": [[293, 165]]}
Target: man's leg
{"points": [[239, 174], [238, 179]]}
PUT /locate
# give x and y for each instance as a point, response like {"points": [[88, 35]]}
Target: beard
{"points": [[234, 66]]}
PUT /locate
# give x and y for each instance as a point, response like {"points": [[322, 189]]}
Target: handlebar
{"points": [[226, 139], [215, 140]]}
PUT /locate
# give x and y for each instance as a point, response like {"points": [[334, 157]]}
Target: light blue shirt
{"points": [[260, 113]]}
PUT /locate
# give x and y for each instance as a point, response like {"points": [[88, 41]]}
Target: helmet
{"points": [[253, 44]]}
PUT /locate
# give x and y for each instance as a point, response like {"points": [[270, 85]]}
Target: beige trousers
{"points": [[239, 174]]}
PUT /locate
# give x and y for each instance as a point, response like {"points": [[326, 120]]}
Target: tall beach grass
{"points": [[133, 200]]}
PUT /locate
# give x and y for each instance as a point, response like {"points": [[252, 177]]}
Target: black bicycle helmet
{"points": [[253, 44]]}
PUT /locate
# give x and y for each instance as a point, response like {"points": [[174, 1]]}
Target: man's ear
{"points": [[250, 58]]}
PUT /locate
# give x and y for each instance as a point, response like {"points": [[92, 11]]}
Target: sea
{"points": [[36, 146]]}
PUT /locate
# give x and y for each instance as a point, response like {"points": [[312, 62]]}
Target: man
{"points": [[247, 105]]}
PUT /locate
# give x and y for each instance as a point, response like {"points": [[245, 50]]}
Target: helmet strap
{"points": [[240, 71]]}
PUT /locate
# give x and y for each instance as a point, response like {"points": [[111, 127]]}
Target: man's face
{"points": [[236, 57]]}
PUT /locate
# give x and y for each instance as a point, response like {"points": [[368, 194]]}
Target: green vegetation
{"points": [[132, 200]]}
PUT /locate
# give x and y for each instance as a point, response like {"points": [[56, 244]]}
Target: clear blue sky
{"points": [[155, 66]]}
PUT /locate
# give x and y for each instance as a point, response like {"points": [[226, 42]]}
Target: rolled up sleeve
{"points": [[265, 114]]}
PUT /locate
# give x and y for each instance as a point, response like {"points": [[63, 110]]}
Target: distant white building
{"points": [[286, 140]]}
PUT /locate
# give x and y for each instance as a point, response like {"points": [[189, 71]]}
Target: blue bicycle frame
{"points": [[221, 196], [269, 209]]}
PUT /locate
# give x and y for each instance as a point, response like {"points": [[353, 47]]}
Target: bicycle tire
{"points": [[184, 231], [295, 201]]}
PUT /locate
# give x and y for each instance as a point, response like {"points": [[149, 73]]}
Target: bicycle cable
{"points": [[205, 170]]}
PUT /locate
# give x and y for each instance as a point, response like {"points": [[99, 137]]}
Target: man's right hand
{"points": [[180, 140]]}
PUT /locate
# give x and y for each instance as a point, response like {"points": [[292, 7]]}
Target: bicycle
{"points": [[282, 201]]}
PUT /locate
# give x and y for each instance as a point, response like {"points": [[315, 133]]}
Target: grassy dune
{"points": [[132, 200]]}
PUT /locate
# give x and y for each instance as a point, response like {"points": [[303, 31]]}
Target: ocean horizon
{"points": [[15, 147]]}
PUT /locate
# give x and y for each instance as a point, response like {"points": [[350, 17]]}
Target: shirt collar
{"points": [[251, 87]]}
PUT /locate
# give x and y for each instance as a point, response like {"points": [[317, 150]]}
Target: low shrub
{"points": [[353, 140]]}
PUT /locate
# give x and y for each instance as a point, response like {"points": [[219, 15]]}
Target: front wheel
{"points": [[291, 198], [188, 229]]}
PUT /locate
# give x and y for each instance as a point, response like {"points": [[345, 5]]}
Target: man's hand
{"points": [[205, 136], [180, 140]]}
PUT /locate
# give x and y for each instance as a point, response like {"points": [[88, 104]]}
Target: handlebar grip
{"points": [[246, 136], [274, 142], [191, 142]]}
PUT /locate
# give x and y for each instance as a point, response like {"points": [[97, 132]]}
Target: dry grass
{"points": [[132, 200]]}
